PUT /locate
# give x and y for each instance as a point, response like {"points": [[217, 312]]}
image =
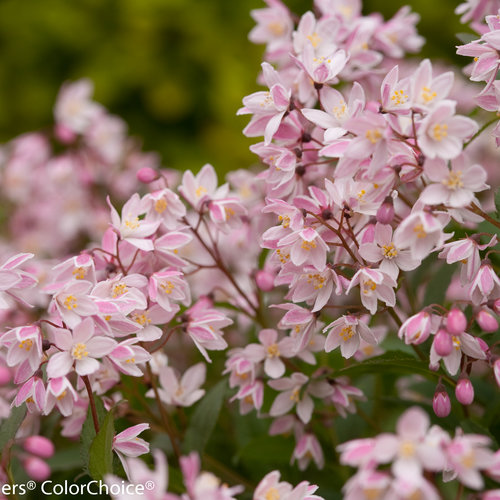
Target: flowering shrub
{"points": [[351, 284]]}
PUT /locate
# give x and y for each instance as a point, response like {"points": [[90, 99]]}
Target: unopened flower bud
{"points": [[385, 213], [36, 468], [39, 445], [464, 391], [264, 280], [456, 322], [64, 134], [496, 306], [496, 371], [147, 175], [4, 375], [486, 321], [441, 403], [443, 344]]}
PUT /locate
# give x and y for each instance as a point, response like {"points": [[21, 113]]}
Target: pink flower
{"points": [[24, 344], [251, 396], [13, 280], [417, 328], [32, 392], [126, 356], [79, 348], [204, 327], [373, 285], [271, 487], [426, 91], [347, 332], [322, 68], [290, 396], [455, 187], [127, 443], [74, 108], [201, 188], [167, 206], [414, 448], [421, 232], [308, 448], [383, 250], [184, 391], [167, 286], [73, 302], [60, 393], [441, 134], [467, 455], [306, 246], [135, 225], [485, 284]]}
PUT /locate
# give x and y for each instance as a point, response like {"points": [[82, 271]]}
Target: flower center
{"points": [[295, 396], [79, 273], [389, 251], [369, 286], [347, 333], [419, 231], [161, 205], [454, 180], [399, 97], [273, 351], [272, 494], [308, 245], [407, 449], [440, 131], [142, 319], [317, 280], [339, 111], [427, 94], [26, 344], [132, 223], [167, 287], [79, 351], [200, 191], [373, 135], [70, 302], [119, 289], [285, 220], [315, 39]]}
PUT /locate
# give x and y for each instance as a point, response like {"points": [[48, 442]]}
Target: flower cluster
{"points": [[364, 248]]}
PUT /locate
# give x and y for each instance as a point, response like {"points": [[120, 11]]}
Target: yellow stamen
{"points": [[389, 251], [79, 351], [428, 95], [119, 289], [79, 273], [315, 39], [454, 180], [373, 135], [440, 131], [26, 344], [70, 302], [273, 351], [167, 287], [161, 205], [420, 231]]}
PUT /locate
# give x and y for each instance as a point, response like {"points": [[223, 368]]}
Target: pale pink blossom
{"points": [[126, 443], [60, 393], [347, 332], [307, 449], [441, 133], [181, 391]]}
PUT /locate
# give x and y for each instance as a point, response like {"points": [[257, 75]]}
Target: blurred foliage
{"points": [[175, 70]]}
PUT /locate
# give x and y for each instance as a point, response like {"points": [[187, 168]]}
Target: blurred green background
{"points": [[175, 70]]}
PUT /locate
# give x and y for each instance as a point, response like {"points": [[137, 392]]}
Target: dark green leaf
{"points": [[9, 426], [271, 449], [101, 449], [204, 419], [66, 459], [391, 361], [88, 431]]}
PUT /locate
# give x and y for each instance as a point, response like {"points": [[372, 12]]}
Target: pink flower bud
{"points": [[441, 403], [147, 175], [443, 344], [64, 134], [385, 213], [36, 468], [4, 375], [464, 391], [264, 280], [39, 445], [456, 322], [496, 306], [496, 371], [486, 321], [483, 345]]}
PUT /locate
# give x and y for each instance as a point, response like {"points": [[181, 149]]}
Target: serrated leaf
{"points": [[204, 419], [88, 431], [101, 449], [9, 427], [391, 361]]}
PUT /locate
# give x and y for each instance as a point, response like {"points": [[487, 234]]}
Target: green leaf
{"points": [[275, 449], [66, 459], [9, 426], [101, 449], [88, 431], [391, 361], [204, 419]]}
